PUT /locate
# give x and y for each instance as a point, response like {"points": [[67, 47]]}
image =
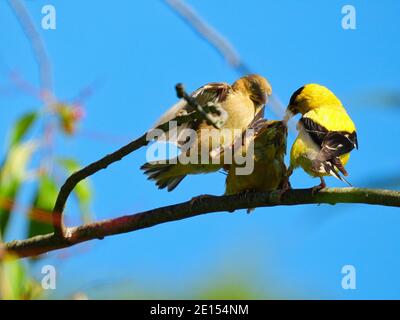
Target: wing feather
{"points": [[215, 92], [333, 144]]}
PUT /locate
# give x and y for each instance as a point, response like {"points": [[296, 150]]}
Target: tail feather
{"points": [[335, 172], [162, 174], [342, 178], [339, 165]]}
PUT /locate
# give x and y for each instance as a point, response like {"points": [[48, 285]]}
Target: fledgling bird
{"points": [[269, 171], [326, 136], [243, 101]]}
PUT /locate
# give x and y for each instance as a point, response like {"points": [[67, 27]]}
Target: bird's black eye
{"points": [[295, 95]]}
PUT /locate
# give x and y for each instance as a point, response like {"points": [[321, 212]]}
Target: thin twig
{"points": [[204, 112], [75, 178], [38, 47], [197, 206], [220, 43], [46, 90]]}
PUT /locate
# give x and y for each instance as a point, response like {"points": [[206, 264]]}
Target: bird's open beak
{"points": [[289, 113], [262, 99], [265, 98]]}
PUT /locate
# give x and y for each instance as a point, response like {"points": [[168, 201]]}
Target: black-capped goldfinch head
{"points": [[258, 88], [309, 97]]}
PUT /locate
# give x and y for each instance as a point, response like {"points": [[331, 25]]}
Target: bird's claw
{"points": [[199, 198], [315, 190], [245, 193], [285, 186], [318, 188]]}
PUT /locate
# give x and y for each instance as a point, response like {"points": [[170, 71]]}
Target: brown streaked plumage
{"points": [[242, 101], [269, 172]]}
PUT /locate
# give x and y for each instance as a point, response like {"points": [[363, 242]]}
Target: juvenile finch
{"points": [[269, 172], [242, 101], [326, 133]]}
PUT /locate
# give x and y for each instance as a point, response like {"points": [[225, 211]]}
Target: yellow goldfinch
{"points": [[269, 172], [326, 133], [242, 101]]}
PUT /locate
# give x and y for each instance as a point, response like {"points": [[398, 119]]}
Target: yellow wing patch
{"points": [[332, 118]]}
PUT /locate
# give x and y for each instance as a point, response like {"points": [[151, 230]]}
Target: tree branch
{"points": [[197, 206]]}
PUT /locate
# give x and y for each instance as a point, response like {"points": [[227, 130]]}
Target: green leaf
{"points": [[15, 282], [12, 174], [13, 170], [8, 195], [16, 161], [40, 213], [82, 191], [22, 127]]}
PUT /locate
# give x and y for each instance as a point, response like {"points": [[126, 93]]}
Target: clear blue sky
{"points": [[136, 51]]}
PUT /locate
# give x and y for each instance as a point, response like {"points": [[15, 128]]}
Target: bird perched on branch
{"points": [[268, 148], [326, 136], [243, 101]]}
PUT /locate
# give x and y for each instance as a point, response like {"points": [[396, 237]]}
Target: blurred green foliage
{"points": [[40, 212], [15, 282], [15, 173]]}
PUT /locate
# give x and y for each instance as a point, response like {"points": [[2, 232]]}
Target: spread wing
{"points": [[215, 92], [333, 144]]}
